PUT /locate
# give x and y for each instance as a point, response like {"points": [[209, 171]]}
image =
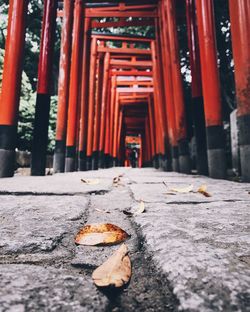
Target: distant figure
{"points": [[133, 157]]}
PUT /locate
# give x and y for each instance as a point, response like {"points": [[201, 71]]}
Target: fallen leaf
{"points": [[186, 189], [91, 181], [116, 271], [170, 193], [116, 181], [203, 191], [100, 234], [140, 209], [128, 213], [102, 211]]}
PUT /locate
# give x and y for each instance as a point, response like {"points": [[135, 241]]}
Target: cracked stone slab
{"points": [[159, 192], [35, 288], [60, 183], [203, 249], [38, 224], [114, 202]]}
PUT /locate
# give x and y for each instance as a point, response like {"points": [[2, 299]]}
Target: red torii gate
{"points": [[90, 125]]}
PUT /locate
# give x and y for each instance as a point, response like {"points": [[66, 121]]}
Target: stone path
{"points": [[188, 252]]}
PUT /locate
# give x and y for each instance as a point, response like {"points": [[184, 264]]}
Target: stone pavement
{"points": [[188, 252]]}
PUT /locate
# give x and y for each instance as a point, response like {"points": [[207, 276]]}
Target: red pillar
{"points": [[98, 99], [74, 88], [196, 90], [84, 97], [91, 102], [169, 101], [240, 28], [211, 89], [45, 74], [63, 86], [11, 85], [103, 121], [180, 116]]}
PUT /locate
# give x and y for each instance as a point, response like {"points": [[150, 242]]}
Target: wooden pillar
{"points": [[112, 117], [240, 28], [45, 74], [116, 127], [11, 85], [107, 155], [180, 116], [98, 100], [83, 131], [74, 88], [159, 113], [63, 86], [91, 102], [196, 90], [151, 127], [170, 108], [165, 159], [103, 123], [211, 89], [169, 100]]}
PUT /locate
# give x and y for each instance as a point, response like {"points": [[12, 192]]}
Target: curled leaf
{"points": [[100, 234], [186, 189], [116, 271], [140, 209], [203, 191], [102, 211], [116, 181], [91, 181]]}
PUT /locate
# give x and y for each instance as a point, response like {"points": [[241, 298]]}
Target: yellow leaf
{"points": [[203, 191], [116, 271], [91, 181], [100, 234], [186, 189]]}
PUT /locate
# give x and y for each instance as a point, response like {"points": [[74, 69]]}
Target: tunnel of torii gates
{"points": [[112, 87]]}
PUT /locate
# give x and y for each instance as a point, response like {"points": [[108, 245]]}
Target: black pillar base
{"points": [[7, 163], [175, 158], [115, 162], [58, 162], [59, 157], [70, 160], [244, 143], [70, 164], [216, 152], [88, 163], [94, 160], [101, 160], [7, 150], [200, 136], [82, 161], [156, 161], [40, 138], [184, 158], [106, 161]]}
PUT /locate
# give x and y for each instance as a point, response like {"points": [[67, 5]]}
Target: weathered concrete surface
{"points": [[188, 252]]}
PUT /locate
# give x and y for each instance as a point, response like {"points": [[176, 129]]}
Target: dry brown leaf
{"points": [[116, 181], [186, 189], [203, 191], [91, 181], [100, 234], [116, 271]]}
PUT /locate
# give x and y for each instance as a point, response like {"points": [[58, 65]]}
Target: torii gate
{"points": [[91, 104]]}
